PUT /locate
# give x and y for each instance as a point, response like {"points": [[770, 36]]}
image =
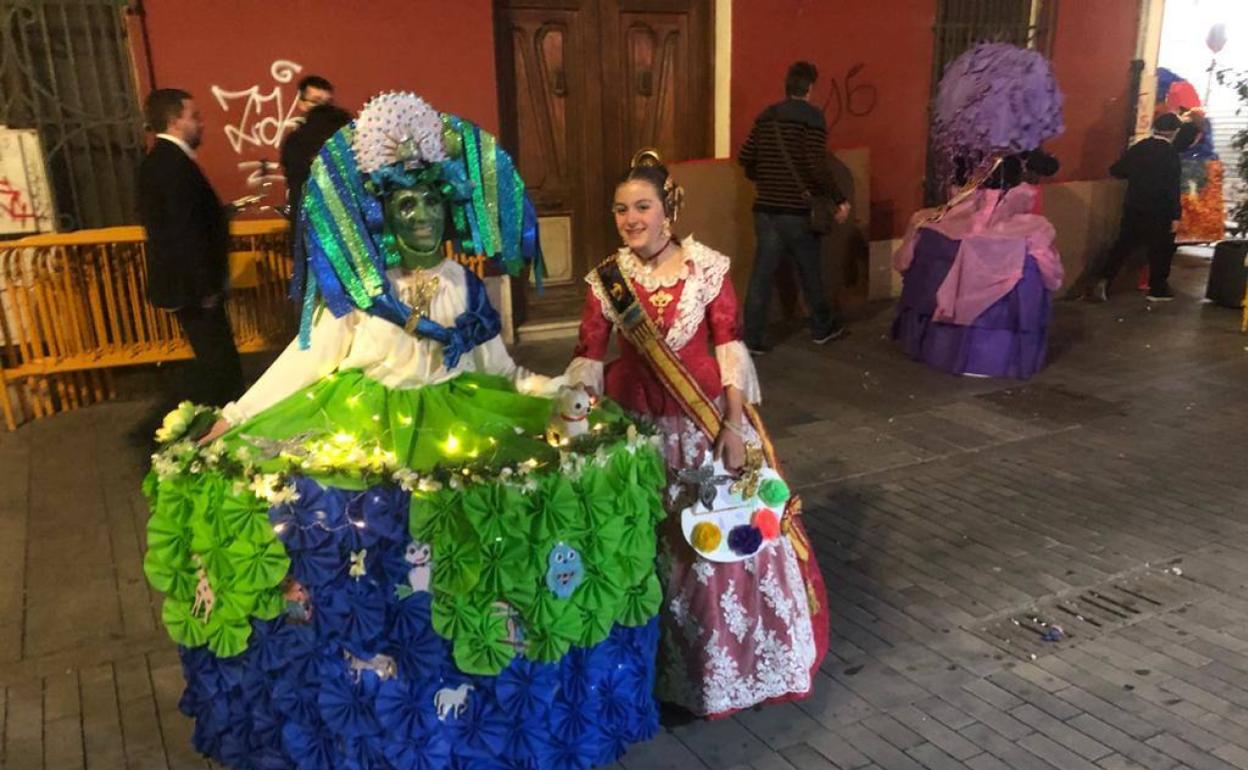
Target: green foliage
{"points": [[1238, 81]]}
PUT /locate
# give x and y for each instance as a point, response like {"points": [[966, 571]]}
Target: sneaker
{"points": [[1163, 294], [758, 350], [835, 334], [1097, 292]]}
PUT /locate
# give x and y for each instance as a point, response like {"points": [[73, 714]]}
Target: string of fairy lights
{"points": [[344, 453]]}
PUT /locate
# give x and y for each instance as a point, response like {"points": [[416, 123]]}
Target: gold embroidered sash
{"points": [[626, 313]]}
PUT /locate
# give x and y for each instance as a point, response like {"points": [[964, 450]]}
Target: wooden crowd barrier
{"points": [[73, 307]]}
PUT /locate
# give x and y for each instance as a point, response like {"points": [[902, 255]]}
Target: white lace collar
{"points": [[703, 274], [643, 272]]}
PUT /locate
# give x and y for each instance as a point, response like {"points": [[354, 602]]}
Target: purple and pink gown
{"points": [[977, 286]]}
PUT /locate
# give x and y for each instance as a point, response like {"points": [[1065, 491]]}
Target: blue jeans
{"points": [[777, 235]]}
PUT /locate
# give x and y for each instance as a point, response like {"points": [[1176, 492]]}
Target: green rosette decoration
{"points": [[499, 548], [533, 552], [213, 554]]}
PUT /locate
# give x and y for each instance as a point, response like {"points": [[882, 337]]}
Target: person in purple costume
{"points": [[979, 272], [977, 284]]}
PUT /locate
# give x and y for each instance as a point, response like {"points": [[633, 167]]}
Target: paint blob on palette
{"points": [[741, 518]]}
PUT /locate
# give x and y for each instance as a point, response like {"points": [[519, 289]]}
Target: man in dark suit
{"points": [[188, 244], [1150, 211]]}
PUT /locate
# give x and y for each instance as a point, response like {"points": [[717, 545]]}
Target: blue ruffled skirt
{"points": [[364, 681]]}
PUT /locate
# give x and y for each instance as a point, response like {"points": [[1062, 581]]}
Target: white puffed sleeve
{"points": [[493, 358], [295, 368], [585, 371]]}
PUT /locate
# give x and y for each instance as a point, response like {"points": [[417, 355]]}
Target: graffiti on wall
{"points": [[849, 96], [13, 203], [25, 197], [259, 117]]}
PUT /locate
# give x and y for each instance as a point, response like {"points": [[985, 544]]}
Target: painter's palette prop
{"points": [[733, 518]]}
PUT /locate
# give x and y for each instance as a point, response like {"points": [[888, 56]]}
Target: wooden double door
{"points": [[583, 84]]}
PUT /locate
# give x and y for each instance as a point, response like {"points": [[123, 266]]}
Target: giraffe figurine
{"points": [[204, 597], [515, 632]]}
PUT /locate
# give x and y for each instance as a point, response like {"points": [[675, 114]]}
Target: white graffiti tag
{"points": [[264, 117]]}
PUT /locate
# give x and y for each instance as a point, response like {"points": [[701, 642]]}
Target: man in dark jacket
{"points": [[188, 244], [785, 157], [1150, 212], [321, 120], [302, 146]]}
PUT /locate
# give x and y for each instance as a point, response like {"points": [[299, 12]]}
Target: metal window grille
{"points": [[961, 24], [65, 70]]}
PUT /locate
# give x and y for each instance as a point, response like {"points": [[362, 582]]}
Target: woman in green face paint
{"points": [[375, 557], [423, 321], [416, 216]]}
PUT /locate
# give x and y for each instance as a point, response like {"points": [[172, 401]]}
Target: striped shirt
{"points": [[805, 135]]}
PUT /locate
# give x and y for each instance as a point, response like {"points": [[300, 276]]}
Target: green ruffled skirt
{"points": [[495, 502], [472, 419]]}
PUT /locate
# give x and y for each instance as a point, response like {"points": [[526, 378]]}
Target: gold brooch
{"points": [[660, 300], [422, 294]]}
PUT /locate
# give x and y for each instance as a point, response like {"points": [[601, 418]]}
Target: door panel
{"points": [[583, 84], [541, 111], [651, 63], [657, 70]]}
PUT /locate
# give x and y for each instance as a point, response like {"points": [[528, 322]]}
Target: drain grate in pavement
{"points": [[1050, 402], [1066, 620]]}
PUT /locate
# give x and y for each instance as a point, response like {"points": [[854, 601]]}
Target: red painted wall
{"points": [[874, 60], [889, 46], [1092, 53], [442, 51]]}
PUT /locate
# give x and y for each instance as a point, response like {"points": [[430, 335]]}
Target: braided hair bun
{"points": [[647, 166]]}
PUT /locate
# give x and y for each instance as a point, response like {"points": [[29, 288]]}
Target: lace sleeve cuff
{"points": [[736, 368], [585, 371]]}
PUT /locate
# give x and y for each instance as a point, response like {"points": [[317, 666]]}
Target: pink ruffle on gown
{"points": [[977, 285]]}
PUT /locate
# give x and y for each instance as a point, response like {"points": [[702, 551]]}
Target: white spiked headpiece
{"points": [[397, 127]]}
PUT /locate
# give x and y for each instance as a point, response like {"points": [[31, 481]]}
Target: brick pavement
{"points": [[952, 518]]}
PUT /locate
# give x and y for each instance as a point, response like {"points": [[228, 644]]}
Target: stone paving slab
{"points": [[940, 508]]}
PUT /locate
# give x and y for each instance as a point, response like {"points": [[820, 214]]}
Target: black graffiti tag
{"points": [[847, 96]]}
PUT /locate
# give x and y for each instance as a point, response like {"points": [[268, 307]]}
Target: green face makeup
{"points": [[416, 216]]}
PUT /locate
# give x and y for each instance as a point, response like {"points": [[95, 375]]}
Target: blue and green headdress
{"points": [[343, 250]]}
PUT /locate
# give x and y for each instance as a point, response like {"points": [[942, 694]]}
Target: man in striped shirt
{"points": [[784, 156]]}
